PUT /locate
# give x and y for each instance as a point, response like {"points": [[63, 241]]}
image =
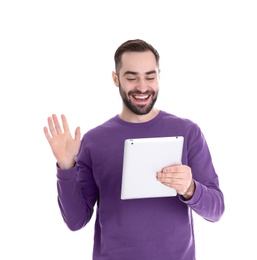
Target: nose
{"points": [[142, 85]]}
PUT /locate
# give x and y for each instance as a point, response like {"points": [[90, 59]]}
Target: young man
{"points": [[89, 171]]}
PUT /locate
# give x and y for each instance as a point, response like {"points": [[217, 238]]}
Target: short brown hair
{"points": [[136, 45]]}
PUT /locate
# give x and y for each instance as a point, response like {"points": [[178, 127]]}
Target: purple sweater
{"points": [[137, 229]]}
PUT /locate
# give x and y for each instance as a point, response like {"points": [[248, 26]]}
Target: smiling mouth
{"points": [[141, 97]]}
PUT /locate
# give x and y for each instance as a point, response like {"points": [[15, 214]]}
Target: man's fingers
{"points": [[51, 126], [173, 175], [175, 168], [77, 134], [47, 135], [65, 123], [56, 128]]}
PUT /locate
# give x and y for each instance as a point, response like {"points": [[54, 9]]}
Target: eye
{"points": [[152, 78], [131, 79]]}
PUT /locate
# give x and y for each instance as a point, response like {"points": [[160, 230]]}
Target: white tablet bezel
{"points": [[143, 158]]}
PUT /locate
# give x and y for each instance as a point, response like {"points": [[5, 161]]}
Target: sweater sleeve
{"points": [[208, 199], [76, 196], [208, 202]]}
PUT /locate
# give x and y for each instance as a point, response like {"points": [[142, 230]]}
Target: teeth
{"points": [[141, 97]]}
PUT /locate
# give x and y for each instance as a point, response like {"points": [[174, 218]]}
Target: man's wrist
{"points": [[190, 192], [66, 166]]}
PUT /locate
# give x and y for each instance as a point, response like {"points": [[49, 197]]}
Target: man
{"points": [[89, 171]]}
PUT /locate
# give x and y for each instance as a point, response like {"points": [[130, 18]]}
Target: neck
{"points": [[133, 118]]}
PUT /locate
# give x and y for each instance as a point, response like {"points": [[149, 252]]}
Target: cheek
{"points": [[122, 92], [155, 87], [125, 87]]}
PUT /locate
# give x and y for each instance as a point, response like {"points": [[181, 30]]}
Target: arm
{"points": [[76, 206], [73, 207], [208, 199], [196, 181]]}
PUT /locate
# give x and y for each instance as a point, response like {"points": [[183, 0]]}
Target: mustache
{"points": [[137, 92]]}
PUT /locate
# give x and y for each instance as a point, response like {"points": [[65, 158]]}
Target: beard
{"points": [[138, 109]]}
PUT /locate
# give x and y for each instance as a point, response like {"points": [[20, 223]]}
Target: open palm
{"points": [[64, 147]]}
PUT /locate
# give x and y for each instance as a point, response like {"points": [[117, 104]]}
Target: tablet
{"points": [[143, 158]]}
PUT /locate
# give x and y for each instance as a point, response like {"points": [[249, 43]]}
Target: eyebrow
{"points": [[136, 73]]}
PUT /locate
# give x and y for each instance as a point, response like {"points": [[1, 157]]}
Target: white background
{"points": [[57, 57]]}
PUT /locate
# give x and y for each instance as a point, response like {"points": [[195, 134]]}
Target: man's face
{"points": [[139, 81]]}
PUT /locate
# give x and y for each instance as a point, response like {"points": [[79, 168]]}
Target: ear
{"points": [[115, 79]]}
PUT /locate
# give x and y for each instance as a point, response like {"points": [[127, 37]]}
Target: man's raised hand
{"points": [[64, 147]]}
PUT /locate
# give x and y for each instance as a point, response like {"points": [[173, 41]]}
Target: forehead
{"points": [[140, 62]]}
